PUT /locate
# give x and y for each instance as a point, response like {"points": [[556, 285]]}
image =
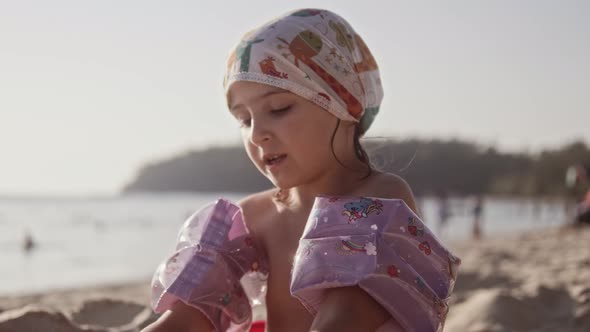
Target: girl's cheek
{"points": [[251, 152]]}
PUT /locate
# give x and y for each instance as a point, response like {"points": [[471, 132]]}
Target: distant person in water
{"points": [[477, 212], [444, 211], [28, 242]]}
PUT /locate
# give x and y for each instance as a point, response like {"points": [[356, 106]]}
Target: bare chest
{"points": [[281, 239]]}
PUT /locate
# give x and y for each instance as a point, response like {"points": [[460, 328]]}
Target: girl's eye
{"points": [[245, 123], [281, 110]]}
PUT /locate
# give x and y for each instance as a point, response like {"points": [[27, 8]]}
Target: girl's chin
{"points": [[280, 183]]}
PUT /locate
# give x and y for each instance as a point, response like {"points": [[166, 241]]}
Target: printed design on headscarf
{"points": [[325, 96], [361, 209], [343, 37], [307, 45], [368, 62], [308, 12], [243, 52], [268, 67], [337, 61], [313, 53]]}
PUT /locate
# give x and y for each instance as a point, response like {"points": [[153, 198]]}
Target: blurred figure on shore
{"points": [[444, 211], [477, 213], [583, 211], [576, 181]]}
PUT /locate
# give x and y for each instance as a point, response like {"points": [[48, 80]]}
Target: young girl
{"points": [[337, 245]]}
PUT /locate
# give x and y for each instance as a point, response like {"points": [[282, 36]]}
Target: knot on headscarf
{"points": [[317, 55]]}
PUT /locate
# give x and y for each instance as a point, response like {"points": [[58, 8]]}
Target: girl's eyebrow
{"points": [[264, 95]]}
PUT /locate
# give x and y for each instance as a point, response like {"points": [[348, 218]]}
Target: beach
{"points": [[535, 281]]}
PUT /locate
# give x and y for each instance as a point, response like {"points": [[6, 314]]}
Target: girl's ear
{"points": [[348, 125]]}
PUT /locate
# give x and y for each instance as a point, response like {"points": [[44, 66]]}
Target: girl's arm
{"points": [[181, 318], [349, 309]]}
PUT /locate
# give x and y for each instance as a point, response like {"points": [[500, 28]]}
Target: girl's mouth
{"points": [[274, 159]]}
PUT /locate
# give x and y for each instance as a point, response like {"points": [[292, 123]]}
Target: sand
{"points": [[531, 282], [110, 308]]}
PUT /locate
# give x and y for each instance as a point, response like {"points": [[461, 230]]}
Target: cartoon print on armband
{"points": [[172, 267], [425, 246], [440, 306], [393, 271], [362, 209], [453, 263], [349, 247], [225, 299], [414, 227], [255, 266], [421, 284], [236, 292]]}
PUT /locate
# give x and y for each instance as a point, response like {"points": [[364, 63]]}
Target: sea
{"points": [[90, 241]]}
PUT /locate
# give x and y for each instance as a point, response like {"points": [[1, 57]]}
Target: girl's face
{"points": [[286, 136]]}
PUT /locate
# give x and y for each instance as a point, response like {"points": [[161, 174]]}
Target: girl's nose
{"points": [[258, 133]]}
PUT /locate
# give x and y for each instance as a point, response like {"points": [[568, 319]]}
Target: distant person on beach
{"points": [[477, 213], [578, 206], [583, 211], [337, 245]]}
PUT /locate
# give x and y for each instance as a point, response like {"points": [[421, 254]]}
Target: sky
{"points": [[90, 91]]}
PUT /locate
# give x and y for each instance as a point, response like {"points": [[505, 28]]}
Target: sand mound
{"points": [[107, 313], [95, 315], [535, 282], [499, 309], [31, 319]]}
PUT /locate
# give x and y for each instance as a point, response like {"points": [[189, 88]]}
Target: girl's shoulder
{"points": [[257, 203], [388, 185], [256, 208]]}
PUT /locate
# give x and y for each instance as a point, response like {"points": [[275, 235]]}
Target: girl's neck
{"points": [[337, 182]]}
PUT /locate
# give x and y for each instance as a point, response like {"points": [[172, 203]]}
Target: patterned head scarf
{"points": [[317, 55]]}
